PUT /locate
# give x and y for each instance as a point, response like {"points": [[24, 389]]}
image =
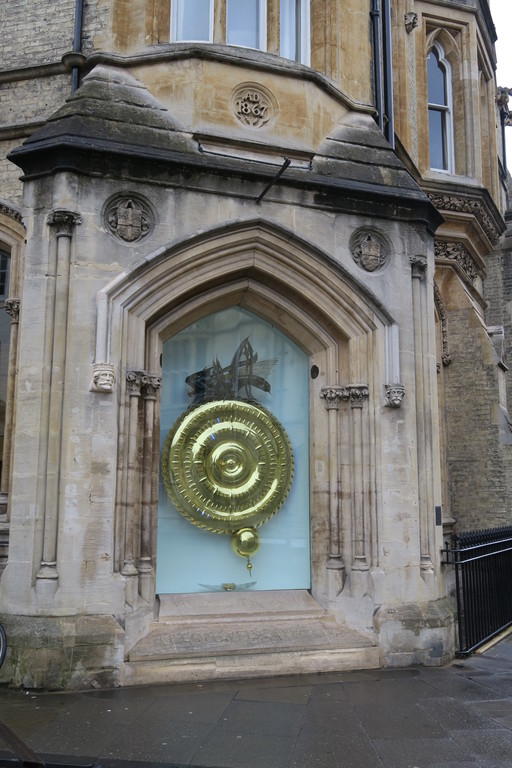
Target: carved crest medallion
{"points": [[253, 105], [128, 218]]}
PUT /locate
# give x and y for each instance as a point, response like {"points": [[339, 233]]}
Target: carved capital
{"points": [[64, 221], [357, 394], [12, 307], [134, 381], [418, 266], [150, 386], [394, 395], [411, 21], [332, 396], [103, 378]]}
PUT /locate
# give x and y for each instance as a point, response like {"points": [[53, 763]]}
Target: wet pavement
{"points": [[458, 716]]}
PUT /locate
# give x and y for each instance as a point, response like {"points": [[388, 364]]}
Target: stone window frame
{"points": [[448, 41], [445, 109]]}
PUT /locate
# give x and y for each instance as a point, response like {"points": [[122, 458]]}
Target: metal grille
{"points": [[483, 583]]}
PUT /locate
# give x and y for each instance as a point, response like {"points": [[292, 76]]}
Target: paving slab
{"points": [[457, 716]]}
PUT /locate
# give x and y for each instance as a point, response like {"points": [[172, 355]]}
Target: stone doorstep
{"points": [[244, 666], [246, 634], [244, 637], [228, 606]]}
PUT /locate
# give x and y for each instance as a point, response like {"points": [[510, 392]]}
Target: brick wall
{"points": [[478, 437], [34, 32]]}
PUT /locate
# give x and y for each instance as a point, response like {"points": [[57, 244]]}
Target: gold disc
{"points": [[227, 464]]}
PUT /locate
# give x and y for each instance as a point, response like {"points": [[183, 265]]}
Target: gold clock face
{"points": [[227, 465]]}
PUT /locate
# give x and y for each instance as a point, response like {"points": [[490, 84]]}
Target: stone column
{"points": [[150, 387], [12, 307], [134, 380], [423, 418], [332, 396], [63, 224], [357, 396]]}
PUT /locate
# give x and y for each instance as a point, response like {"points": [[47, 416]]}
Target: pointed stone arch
{"points": [[350, 338]]}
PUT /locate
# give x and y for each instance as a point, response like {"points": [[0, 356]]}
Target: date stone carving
{"points": [[253, 105]]}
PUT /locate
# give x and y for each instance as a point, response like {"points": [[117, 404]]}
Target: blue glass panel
{"points": [[437, 140], [195, 560], [243, 23], [193, 20], [436, 78]]}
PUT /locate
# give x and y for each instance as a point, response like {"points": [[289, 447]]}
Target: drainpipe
{"points": [[389, 129], [77, 43], [377, 61]]}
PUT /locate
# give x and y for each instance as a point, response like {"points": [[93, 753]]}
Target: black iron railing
{"points": [[483, 584]]}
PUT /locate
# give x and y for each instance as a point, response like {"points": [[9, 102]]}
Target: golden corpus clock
{"points": [[227, 463]]}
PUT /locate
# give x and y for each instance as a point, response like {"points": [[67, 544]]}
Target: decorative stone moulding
{"points": [[457, 252], [369, 249], [128, 217], [394, 395], [446, 356], [356, 394], [103, 378], [11, 213], [465, 205], [254, 106]]}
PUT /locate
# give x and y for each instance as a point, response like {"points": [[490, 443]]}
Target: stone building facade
{"points": [[254, 355]]}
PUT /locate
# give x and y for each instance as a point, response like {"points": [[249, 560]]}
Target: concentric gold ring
{"points": [[227, 464]]}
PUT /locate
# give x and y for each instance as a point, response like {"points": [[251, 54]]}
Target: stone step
{"points": [[246, 665], [230, 607], [223, 635]]}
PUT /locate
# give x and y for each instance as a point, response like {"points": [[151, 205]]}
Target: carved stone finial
{"points": [[394, 395], [411, 21], [103, 378], [12, 307]]}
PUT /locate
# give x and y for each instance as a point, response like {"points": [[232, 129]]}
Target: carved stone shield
{"points": [[129, 220]]}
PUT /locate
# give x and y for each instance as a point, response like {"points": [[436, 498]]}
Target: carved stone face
{"points": [[104, 380], [395, 396]]}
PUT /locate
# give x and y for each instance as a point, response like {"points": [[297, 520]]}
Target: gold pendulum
{"points": [[245, 543]]}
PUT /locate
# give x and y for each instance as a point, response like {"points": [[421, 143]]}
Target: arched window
{"points": [[440, 124]]}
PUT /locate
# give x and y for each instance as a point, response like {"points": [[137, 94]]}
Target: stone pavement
{"points": [[458, 716]]}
